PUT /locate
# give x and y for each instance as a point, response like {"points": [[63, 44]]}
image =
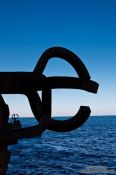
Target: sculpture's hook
{"points": [[84, 111]]}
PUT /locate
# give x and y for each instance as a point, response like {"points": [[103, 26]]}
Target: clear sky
{"points": [[87, 27]]}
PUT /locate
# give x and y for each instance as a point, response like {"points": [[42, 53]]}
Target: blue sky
{"points": [[87, 27]]}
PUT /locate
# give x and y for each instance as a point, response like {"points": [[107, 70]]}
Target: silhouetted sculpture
{"points": [[4, 153], [28, 83]]}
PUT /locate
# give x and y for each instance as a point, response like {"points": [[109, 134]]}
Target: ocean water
{"points": [[90, 149]]}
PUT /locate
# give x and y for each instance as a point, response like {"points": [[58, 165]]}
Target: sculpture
{"points": [[28, 83]]}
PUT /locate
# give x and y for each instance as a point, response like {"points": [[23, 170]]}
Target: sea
{"points": [[88, 150]]}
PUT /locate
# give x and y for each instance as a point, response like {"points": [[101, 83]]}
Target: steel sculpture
{"points": [[28, 83]]}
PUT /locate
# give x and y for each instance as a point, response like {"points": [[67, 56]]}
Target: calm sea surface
{"points": [[90, 149]]}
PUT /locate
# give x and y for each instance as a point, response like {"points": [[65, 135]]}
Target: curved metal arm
{"points": [[65, 54], [28, 83], [83, 82]]}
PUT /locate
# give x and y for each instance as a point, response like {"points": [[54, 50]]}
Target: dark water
{"points": [[90, 149]]}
